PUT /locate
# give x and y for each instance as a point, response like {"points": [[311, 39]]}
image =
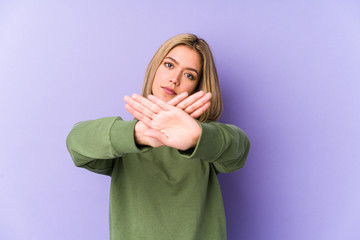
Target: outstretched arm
{"points": [[94, 144], [223, 145]]}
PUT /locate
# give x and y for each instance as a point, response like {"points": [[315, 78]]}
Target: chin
{"points": [[164, 97]]}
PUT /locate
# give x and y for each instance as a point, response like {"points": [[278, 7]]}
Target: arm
{"points": [[95, 144], [225, 146]]}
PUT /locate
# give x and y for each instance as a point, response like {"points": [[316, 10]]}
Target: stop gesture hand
{"points": [[170, 123]]}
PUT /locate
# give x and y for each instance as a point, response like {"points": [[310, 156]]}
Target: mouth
{"points": [[169, 91]]}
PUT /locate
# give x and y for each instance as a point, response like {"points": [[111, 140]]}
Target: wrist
{"points": [[137, 134], [197, 134]]}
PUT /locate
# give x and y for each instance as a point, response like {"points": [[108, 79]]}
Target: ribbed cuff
{"points": [[207, 147], [122, 137]]}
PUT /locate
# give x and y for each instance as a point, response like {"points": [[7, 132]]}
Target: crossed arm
{"points": [[168, 123]]}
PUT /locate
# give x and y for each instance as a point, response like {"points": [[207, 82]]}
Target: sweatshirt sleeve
{"points": [[96, 144], [223, 145]]}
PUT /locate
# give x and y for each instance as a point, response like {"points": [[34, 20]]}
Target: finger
{"points": [[138, 115], [139, 107], [197, 113], [190, 100], [176, 100], [160, 102], [198, 104], [147, 103], [156, 134]]}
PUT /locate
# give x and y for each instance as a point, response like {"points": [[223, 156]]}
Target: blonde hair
{"points": [[208, 81]]}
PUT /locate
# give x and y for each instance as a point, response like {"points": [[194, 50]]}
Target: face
{"points": [[179, 72]]}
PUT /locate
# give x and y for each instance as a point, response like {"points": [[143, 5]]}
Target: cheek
{"points": [[191, 87], [160, 73], [157, 78]]}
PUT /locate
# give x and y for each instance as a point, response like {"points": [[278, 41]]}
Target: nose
{"points": [[175, 77]]}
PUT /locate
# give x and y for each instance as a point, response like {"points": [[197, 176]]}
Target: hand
{"points": [[141, 139], [194, 105], [169, 125]]}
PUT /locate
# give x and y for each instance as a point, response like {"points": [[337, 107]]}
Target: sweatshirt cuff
{"points": [[122, 137], [207, 147]]}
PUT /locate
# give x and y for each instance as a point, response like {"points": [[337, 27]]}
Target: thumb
{"points": [[153, 133]]}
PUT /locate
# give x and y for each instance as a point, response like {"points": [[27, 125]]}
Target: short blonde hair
{"points": [[208, 81]]}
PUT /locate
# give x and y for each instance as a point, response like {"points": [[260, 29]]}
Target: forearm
{"points": [[224, 145], [104, 138]]}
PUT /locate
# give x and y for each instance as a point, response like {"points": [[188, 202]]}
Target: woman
{"points": [[163, 165]]}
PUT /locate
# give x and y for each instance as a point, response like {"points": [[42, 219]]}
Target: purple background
{"points": [[290, 78]]}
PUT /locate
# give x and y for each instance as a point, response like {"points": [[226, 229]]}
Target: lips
{"points": [[169, 91]]}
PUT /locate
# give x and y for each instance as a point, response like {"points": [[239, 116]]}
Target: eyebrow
{"points": [[192, 69]]}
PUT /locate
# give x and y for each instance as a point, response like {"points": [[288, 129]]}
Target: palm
{"points": [[174, 128], [170, 123], [140, 129]]}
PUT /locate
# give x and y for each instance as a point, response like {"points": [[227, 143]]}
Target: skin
{"points": [[179, 72], [167, 116]]}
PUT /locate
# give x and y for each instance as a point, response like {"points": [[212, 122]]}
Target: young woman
{"points": [[164, 164]]}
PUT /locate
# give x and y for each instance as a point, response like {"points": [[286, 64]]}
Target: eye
{"points": [[190, 76], [169, 65]]}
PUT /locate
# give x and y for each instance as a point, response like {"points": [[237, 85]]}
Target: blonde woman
{"points": [[164, 164]]}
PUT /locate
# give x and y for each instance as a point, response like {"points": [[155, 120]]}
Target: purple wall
{"points": [[289, 74]]}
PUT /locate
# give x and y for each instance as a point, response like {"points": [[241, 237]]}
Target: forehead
{"points": [[186, 56]]}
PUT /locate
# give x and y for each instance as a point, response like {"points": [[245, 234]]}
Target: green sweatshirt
{"points": [[160, 193]]}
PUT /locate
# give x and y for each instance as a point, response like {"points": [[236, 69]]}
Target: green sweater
{"points": [[160, 193]]}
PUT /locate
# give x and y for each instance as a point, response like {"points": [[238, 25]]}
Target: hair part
{"points": [[208, 81]]}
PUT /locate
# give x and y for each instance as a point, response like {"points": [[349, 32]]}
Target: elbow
{"points": [[74, 155]]}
